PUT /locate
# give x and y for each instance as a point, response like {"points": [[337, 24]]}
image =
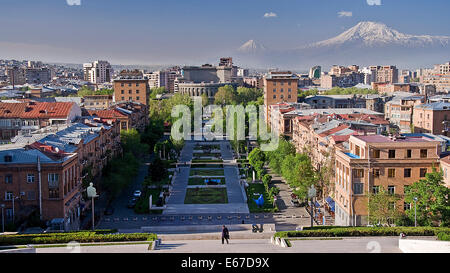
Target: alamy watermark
{"points": [[212, 127]]}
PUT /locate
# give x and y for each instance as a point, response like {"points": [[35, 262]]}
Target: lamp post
{"points": [[311, 194], [92, 193], [13, 214], [415, 211], [3, 217]]}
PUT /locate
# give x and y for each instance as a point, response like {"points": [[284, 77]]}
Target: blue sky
{"points": [[192, 31]]}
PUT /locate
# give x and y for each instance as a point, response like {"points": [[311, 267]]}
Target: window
{"points": [[137, 98], [123, 98], [53, 193], [406, 206], [122, 84], [391, 189], [274, 90], [130, 98], [30, 178], [376, 173], [358, 188], [391, 153], [8, 179], [137, 84], [289, 90], [359, 173], [137, 91], [274, 96], [9, 196], [289, 96], [281, 90], [129, 91], [122, 91], [407, 173], [423, 172], [391, 173], [31, 195], [408, 153], [375, 153], [375, 189], [423, 153], [53, 180]]}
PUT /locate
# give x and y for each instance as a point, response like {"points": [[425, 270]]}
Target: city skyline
{"points": [[177, 33]]}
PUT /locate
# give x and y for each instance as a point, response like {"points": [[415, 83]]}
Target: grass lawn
{"points": [[198, 155], [207, 172], [206, 196], [200, 181], [207, 161], [207, 147], [258, 188], [205, 165]]}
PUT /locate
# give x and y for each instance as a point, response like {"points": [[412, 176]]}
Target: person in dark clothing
{"points": [[225, 234]]}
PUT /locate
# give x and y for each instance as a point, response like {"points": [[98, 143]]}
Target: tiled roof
{"points": [[36, 110], [107, 114]]}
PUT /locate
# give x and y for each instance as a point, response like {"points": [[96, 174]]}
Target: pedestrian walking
{"points": [[225, 234]]}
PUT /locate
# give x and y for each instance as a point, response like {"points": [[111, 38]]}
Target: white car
{"points": [[137, 193]]}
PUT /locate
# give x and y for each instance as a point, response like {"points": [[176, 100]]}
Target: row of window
{"points": [[130, 84], [281, 97], [131, 98], [282, 83], [53, 179], [129, 91], [359, 173], [281, 90], [392, 153]]}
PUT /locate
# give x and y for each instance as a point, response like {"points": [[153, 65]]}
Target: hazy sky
{"points": [[193, 31]]}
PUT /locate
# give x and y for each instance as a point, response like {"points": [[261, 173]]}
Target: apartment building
{"points": [[445, 167], [367, 163], [129, 88], [385, 74], [432, 118], [16, 75], [399, 111], [128, 114], [97, 102], [97, 72], [23, 118], [47, 175], [280, 87]]}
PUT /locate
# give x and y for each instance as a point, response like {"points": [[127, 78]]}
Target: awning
{"points": [[330, 202], [317, 204]]}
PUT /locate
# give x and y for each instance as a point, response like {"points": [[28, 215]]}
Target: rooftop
{"points": [[385, 139]]}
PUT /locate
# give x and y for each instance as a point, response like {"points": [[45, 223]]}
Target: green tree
{"points": [[246, 95], [382, 207], [157, 91], [205, 99], [432, 195], [131, 142], [226, 95]]}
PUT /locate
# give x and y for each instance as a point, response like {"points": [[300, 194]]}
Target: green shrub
{"points": [[444, 236], [362, 231], [81, 237]]}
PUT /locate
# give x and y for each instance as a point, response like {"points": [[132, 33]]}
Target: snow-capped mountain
{"points": [[252, 47], [373, 34], [367, 43]]}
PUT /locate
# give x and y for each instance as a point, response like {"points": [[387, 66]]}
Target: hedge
{"points": [[80, 237], [362, 231], [443, 236]]}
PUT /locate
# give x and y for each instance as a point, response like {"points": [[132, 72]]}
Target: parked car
{"points": [[132, 202], [137, 193]]}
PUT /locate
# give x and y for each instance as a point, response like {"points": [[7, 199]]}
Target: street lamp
{"points": [[3, 217], [92, 193], [13, 214], [415, 211], [311, 194]]}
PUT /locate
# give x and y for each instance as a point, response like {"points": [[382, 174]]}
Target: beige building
{"points": [[370, 162], [432, 118], [97, 102], [130, 88]]}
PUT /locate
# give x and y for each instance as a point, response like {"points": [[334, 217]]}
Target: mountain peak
{"points": [[370, 34], [252, 46]]}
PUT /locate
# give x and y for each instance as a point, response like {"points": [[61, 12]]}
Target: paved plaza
{"points": [[344, 245]]}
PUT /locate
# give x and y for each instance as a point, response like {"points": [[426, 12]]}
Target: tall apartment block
{"points": [[279, 87], [385, 74], [97, 72], [374, 161], [128, 88]]}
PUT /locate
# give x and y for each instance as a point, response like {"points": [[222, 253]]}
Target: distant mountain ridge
{"points": [[366, 43]]}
